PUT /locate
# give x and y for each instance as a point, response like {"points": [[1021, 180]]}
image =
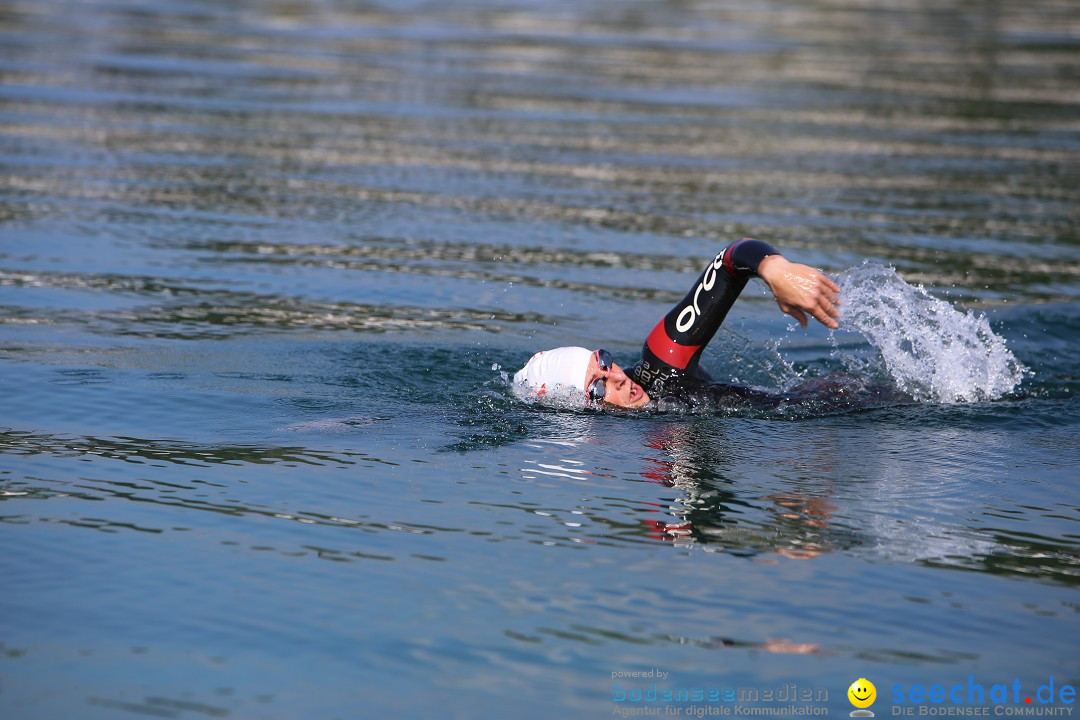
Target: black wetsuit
{"points": [[669, 368]]}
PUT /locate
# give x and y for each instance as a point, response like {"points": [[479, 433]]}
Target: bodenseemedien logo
{"points": [[862, 694]]}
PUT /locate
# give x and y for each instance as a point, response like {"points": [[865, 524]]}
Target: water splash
{"points": [[932, 351], [560, 397]]}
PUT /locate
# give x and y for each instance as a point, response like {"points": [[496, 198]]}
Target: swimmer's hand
{"points": [[800, 289]]}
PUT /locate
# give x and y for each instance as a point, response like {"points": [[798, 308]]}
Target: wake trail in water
{"points": [[932, 351]]}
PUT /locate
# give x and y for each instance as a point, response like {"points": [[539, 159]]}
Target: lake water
{"points": [[265, 265]]}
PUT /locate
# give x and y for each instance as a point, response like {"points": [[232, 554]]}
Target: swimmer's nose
{"points": [[617, 378]]}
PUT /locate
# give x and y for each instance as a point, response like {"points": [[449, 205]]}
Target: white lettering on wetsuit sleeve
{"points": [[689, 314]]}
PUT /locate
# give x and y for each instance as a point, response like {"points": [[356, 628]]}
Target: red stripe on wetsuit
{"points": [[680, 336], [667, 350]]}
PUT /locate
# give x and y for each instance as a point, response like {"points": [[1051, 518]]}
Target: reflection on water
{"points": [[715, 505], [264, 267], [718, 507], [713, 513]]}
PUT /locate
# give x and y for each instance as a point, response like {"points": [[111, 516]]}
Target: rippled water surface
{"points": [[264, 266]]}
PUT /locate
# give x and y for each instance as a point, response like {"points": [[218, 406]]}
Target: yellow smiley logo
{"points": [[862, 693]]}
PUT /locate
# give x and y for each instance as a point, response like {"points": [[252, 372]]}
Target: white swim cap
{"points": [[566, 367]]}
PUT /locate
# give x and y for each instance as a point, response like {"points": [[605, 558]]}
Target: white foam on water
{"points": [[932, 351], [561, 397]]}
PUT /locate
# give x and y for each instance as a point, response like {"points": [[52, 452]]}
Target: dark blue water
{"points": [[264, 268]]}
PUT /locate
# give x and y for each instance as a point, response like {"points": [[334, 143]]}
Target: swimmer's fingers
{"points": [[821, 297], [800, 289], [795, 313], [818, 312], [825, 313]]}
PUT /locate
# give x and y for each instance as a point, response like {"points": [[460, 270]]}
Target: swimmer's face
{"points": [[621, 390]]}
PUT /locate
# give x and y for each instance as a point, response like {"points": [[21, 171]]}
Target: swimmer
{"points": [[669, 366]]}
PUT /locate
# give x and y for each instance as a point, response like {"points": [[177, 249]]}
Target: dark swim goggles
{"points": [[598, 388]]}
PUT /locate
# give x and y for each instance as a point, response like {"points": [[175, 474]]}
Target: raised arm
{"points": [[677, 341], [675, 344]]}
